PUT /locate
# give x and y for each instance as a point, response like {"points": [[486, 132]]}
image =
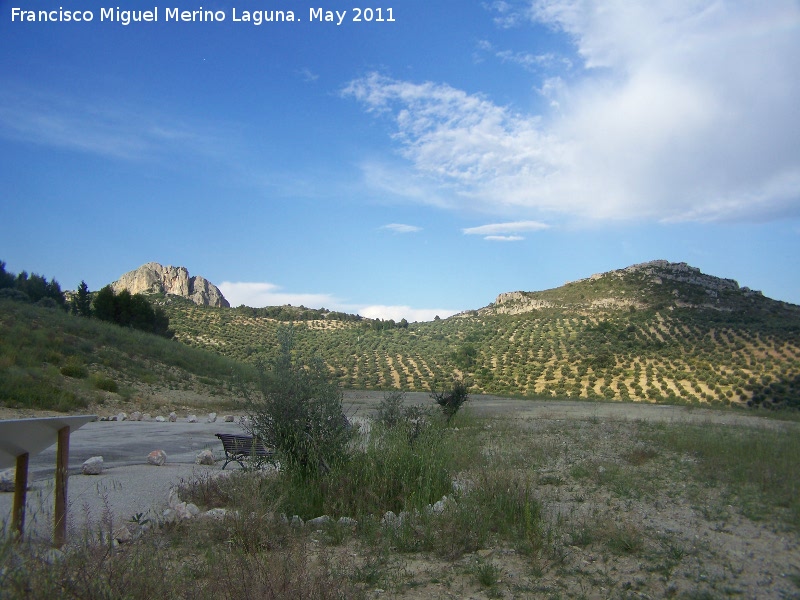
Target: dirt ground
{"points": [[655, 532]]}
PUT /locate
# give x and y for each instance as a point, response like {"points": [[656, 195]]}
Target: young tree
{"points": [[451, 400], [299, 411]]}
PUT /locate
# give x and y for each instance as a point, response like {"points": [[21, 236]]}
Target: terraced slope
{"points": [[658, 332]]}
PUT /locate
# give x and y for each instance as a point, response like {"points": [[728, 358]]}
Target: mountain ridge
{"points": [[653, 284], [153, 277]]}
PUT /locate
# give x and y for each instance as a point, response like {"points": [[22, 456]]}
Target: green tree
{"points": [[81, 303], [452, 399], [6, 278]]}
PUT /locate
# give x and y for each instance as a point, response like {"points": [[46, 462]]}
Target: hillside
{"points": [[60, 362], [657, 332]]}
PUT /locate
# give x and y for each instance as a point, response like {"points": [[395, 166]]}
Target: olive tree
{"points": [[451, 400]]}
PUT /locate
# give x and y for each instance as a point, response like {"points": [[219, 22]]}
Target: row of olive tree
{"points": [[299, 410]]}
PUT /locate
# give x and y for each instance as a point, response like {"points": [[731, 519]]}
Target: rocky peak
{"points": [[156, 278]]}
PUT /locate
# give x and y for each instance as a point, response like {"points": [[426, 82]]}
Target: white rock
{"points": [[147, 417], [440, 506], [136, 416], [157, 458], [215, 513], [204, 457], [390, 519], [191, 419], [169, 515], [160, 419], [172, 498], [173, 417], [347, 522], [122, 534], [92, 466], [212, 418], [192, 509], [319, 521], [122, 416]]}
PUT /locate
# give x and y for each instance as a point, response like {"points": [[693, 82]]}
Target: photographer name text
{"points": [[201, 15]]}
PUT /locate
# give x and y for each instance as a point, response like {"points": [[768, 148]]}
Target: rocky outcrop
{"points": [[156, 278]]}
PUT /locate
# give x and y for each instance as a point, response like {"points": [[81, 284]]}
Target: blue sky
{"points": [[407, 168]]}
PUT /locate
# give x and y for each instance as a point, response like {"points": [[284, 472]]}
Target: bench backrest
{"points": [[241, 443]]}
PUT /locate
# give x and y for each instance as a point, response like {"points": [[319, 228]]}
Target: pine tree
{"points": [[81, 303]]}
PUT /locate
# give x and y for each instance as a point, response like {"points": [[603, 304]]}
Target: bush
{"points": [[75, 368], [105, 383], [299, 412], [452, 399]]}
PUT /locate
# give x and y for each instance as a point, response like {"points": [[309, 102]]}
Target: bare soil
{"points": [[621, 520]]}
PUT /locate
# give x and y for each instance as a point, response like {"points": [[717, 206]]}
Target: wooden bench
{"points": [[240, 447]]}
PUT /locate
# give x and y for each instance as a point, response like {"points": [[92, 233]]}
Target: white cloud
{"points": [[260, 294], [504, 238], [257, 295], [398, 313], [401, 228], [501, 228], [684, 110]]}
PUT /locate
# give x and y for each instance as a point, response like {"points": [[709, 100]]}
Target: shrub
{"points": [[390, 410], [451, 400], [299, 411], [105, 383], [75, 368]]}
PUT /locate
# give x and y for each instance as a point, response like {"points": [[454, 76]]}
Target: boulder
{"points": [[228, 418], [92, 466], [173, 417], [136, 416], [157, 458], [122, 416], [160, 419], [191, 419], [212, 418], [204, 457]]}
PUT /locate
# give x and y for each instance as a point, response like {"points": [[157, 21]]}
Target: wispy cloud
{"points": [[504, 228], [111, 130], [530, 62], [504, 238], [308, 75], [401, 228], [683, 110]]}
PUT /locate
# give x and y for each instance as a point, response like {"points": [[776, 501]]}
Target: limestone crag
{"points": [[156, 278]]}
